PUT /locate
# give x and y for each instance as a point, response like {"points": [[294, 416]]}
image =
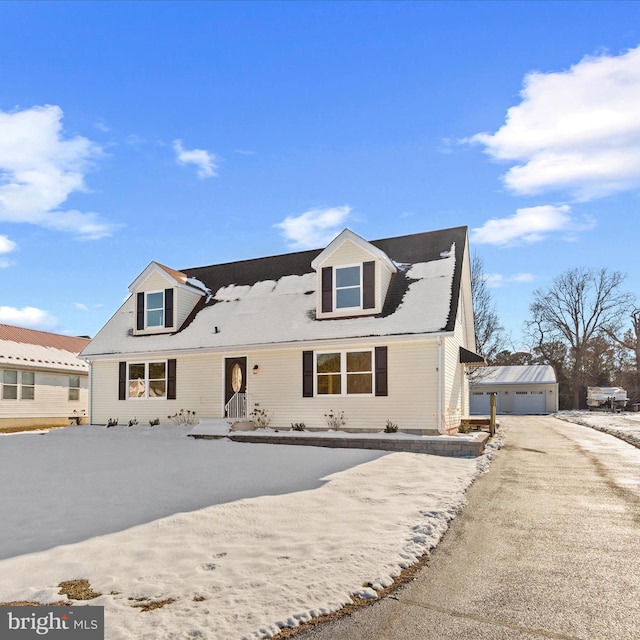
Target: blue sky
{"points": [[192, 133]]}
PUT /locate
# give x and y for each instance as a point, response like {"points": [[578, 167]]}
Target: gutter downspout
{"points": [[440, 419], [90, 391]]}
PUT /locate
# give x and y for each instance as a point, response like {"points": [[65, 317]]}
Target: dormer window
{"points": [[348, 287], [353, 278], [155, 309]]}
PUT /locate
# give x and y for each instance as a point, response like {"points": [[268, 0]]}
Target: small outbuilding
{"points": [[521, 390]]}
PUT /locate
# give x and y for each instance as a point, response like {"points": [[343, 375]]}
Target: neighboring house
{"points": [[527, 389], [378, 330], [42, 380]]}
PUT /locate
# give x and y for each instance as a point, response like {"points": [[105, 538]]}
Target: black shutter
{"points": [[171, 379], [327, 289], [140, 312], [168, 307], [368, 285], [381, 371], [122, 381], [307, 374]]}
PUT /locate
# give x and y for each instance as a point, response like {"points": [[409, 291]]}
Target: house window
{"points": [[147, 380], [74, 388], [155, 309], [348, 287], [344, 373], [25, 380], [9, 385], [28, 387]]}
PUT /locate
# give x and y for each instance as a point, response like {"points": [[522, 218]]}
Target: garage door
{"points": [[479, 403], [526, 402]]}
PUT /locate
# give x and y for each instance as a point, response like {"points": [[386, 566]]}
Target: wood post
{"points": [[493, 396]]}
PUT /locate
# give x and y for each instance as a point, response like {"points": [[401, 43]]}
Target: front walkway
{"points": [[548, 547]]}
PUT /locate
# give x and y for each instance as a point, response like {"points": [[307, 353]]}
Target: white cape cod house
{"points": [[379, 330]]}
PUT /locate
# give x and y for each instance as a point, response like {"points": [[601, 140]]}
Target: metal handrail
{"points": [[238, 406]]}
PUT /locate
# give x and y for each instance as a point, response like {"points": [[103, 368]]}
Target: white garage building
{"points": [[530, 389]]}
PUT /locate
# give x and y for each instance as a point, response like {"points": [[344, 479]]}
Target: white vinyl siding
{"points": [[183, 303], [50, 397], [277, 387], [198, 388]]}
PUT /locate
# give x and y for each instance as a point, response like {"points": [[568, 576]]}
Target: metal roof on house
{"points": [[20, 347], [521, 374]]}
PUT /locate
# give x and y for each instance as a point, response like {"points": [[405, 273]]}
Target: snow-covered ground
{"points": [[244, 538], [625, 425]]}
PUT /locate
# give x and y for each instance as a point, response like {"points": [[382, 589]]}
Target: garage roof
{"points": [[525, 374]]}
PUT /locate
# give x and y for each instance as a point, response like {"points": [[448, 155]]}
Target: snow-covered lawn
{"points": [[244, 538], [625, 426]]}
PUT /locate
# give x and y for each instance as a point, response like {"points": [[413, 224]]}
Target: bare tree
{"points": [[630, 341], [490, 336], [580, 305]]}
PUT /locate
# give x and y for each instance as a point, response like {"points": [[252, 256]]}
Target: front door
{"points": [[235, 377]]}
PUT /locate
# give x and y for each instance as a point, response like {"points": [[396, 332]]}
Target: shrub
{"points": [[132, 422], [112, 422], [154, 422], [261, 418], [390, 427], [298, 426], [183, 418], [465, 427], [335, 420]]}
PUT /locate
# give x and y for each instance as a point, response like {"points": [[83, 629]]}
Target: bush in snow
{"points": [[335, 420], [183, 418], [390, 427], [261, 418]]}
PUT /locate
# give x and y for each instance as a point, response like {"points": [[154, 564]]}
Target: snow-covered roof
{"points": [[524, 374], [272, 301], [29, 348]]}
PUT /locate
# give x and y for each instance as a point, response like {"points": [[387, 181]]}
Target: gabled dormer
{"points": [[163, 299], [353, 277]]}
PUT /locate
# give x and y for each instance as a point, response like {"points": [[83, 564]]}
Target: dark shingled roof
{"points": [[408, 249]]}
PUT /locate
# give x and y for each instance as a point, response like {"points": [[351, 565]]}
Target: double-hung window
{"points": [[348, 287], [155, 309], [9, 385], [28, 386], [147, 380], [18, 384], [344, 373], [74, 388]]}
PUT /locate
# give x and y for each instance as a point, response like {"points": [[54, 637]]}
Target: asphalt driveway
{"points": [[548, 547]]}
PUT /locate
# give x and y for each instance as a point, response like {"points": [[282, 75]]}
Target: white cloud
{"points": [[102, 126], [575, 130], [204, 160], [81, 306], [40, 169], [7, 245], [497, 280], [528, 225], [29, 317], [314, 228]]}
